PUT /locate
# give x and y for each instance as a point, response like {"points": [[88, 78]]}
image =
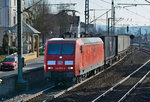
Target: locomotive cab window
{"points": [[60, 49], [53, 49], [67, 49]]}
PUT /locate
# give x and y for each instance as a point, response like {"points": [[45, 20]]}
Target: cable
{"points": [[136, 13], [143, 6], [105, 1], [32, 6], [100, 16], [147, 1], [129, 19], [97, 4]]}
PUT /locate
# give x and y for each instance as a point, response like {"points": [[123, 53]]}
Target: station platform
{"points": [[40, 59], [33, 73], [34, 63], [30, 64]]}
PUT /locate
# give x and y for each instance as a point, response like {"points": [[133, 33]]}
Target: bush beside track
{"points": [[2, 57]]}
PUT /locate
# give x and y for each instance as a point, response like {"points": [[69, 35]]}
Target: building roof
{"points": [[26, 29]]}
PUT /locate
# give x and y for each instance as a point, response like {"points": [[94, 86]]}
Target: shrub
{"points": [[1, 51], [5, 43], [12, 50], [2, 57]]}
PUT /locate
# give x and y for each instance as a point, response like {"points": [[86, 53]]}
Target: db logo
{"points": [[60, 62]]}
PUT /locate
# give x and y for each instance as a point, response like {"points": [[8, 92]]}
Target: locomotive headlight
{"points": [[60, 57], [50, 67], [70, 68]]}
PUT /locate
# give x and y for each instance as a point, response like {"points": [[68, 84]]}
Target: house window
{"points": [[8, 18], [14, 18], [1, 3], [0, 16], [14, 2]]}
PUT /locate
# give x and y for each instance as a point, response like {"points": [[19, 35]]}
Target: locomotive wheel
{"points": [[78, 79], [95, 71]]}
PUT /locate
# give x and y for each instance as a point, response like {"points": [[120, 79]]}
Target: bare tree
{"points": [[50, 25], [38, 18]]}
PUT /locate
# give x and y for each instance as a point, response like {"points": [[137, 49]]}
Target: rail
{"points": [[112, 88], [70, 88], [36, 95], [133, 88]]}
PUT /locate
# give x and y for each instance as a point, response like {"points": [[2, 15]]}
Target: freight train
{"points": [[72, 60]]}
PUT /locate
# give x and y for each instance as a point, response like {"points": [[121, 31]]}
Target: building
{"points": [[8, 15]]}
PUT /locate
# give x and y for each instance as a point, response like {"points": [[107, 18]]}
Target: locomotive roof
{"points": [[106, 35], [123, 35], [92, 40]]}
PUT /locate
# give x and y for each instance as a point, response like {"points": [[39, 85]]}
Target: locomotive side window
{"points": [[81, 49], [60, 49], [68, 49]]}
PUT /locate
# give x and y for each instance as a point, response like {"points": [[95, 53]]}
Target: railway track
{"points": [[38, 95], [98, 85], [53, 92], [120, 91]]}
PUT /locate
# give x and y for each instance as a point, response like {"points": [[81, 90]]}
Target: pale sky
{"points": [[133, 16]]}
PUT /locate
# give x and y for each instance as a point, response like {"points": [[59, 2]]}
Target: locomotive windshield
{"points": [[60, 49]]}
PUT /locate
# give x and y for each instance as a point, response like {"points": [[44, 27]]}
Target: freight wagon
{"points": [[123, 44], [115, 47], [110, 48]]}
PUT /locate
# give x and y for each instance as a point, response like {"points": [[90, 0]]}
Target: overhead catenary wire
{"points": [[147, 1], [100, 16], [129, 20], [136, 14], [142, 6], [105, 1], [32, 5], [97, 4]]}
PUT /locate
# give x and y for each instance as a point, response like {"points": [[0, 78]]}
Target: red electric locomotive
{"points": [[73, 59]]}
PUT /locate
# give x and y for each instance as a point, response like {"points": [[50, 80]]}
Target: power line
{"points": [[99, 16], [147, 1], [105, 1], [143, 7], [136, 14], [66, 4], [97, 4], [32, 6], [131, 4]]}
